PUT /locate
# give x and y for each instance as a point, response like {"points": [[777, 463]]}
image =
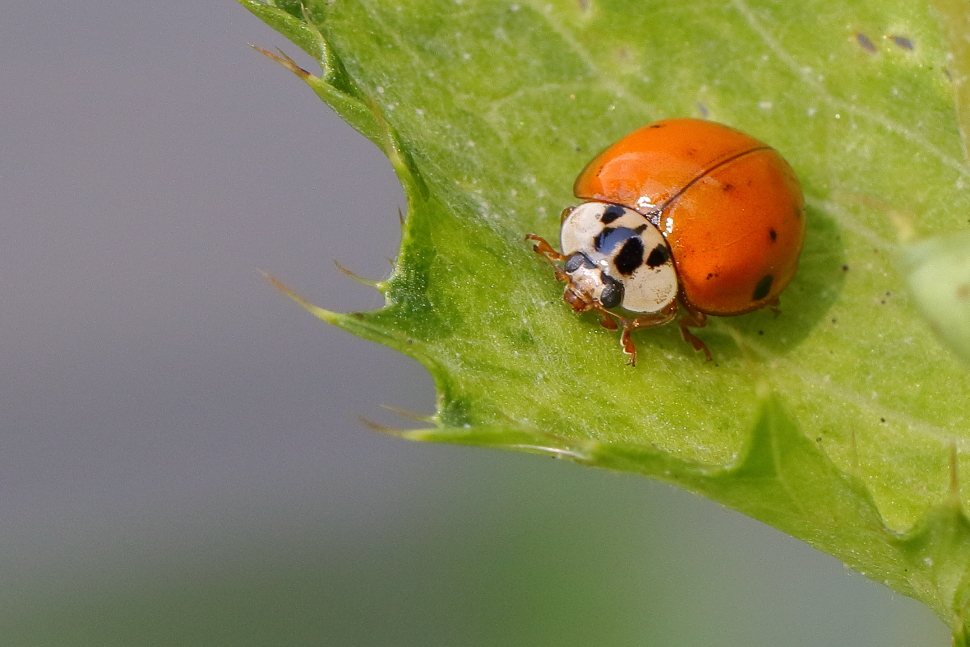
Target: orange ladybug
{"points": [[682, 214]]}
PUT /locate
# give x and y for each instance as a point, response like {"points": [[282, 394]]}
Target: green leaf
{"points": [[842, 420]]}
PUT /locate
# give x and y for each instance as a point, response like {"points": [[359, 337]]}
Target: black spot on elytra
{"points": [[773, 235], [601, 237], [630, 257], [712, 275], [658, 256], [727, 188], [610, 214], [763, 288]]}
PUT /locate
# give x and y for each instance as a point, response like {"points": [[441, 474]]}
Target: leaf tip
{"points": [[284, 59], [410, 414], [407, 434], [380, 286], [327, 315]]}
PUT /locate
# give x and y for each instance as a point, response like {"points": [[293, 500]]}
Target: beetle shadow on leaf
{"points": [[806, 301]]}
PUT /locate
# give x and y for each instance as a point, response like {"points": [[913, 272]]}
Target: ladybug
{"points": [[681, 215]]}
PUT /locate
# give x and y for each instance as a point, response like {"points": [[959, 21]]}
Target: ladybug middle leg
{"points": [[695, 319]]}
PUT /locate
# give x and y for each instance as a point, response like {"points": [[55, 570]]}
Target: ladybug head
{"points": [[589, 286]]}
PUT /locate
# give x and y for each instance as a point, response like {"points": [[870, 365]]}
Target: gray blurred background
{"points": [[180, 459]]}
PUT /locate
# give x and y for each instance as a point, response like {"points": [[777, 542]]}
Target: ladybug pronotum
{"points": [[680, 215]]}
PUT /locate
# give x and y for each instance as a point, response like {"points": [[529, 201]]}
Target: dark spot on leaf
{"points": [[763, 288], [882, 420], [658, 256], [630, 257], [845, 268], [963, 292], [903, 42], [865, 43]]}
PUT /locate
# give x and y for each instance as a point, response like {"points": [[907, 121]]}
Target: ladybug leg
{"points": [[695, 319], [544, 248], [607, 322], [629, 347], [773, 306], [611, 321], [655, 319]]}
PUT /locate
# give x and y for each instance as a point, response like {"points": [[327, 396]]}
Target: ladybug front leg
{"points": [[695, 319], [543, 248], [665, 315]]}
